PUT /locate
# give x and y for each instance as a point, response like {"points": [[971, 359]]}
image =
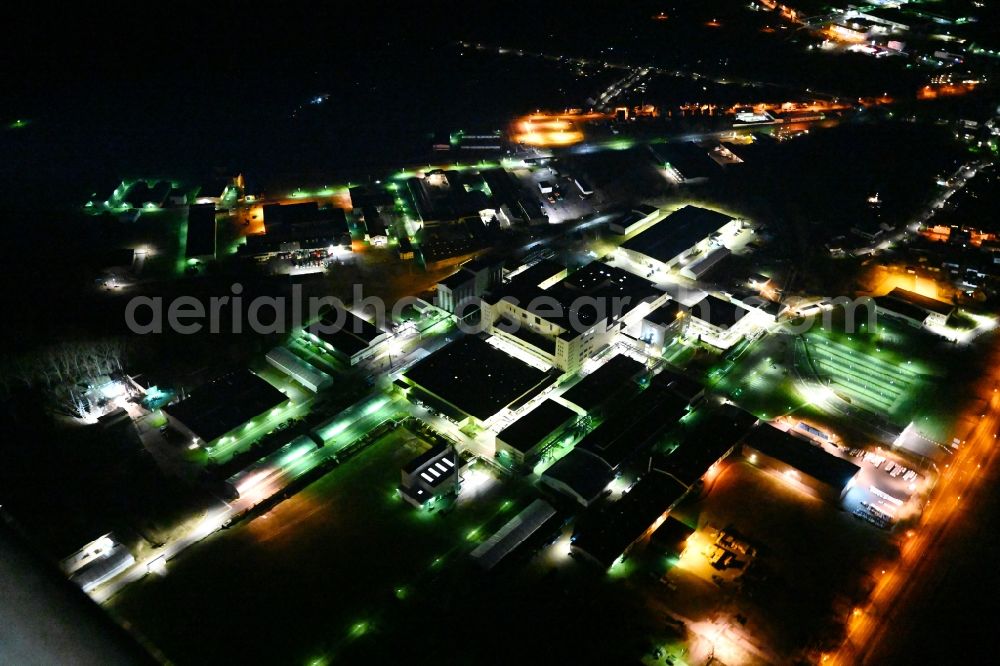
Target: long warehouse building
{"points": [[489, 553]]}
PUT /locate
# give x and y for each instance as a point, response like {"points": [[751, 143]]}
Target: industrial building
{"points": [[699, 268], [515, 532], [633, 428], [141, 195], [542, 274], [682, 234], [528, 435], [671, 537], [200, 242], [405, 248], [447, 196], [430, 475], [453, 244], [579, 476], [214, 410], [514, 203], [45, 618], [376, 232], [573, 319], [305, 374], [646, 507], [913, 308], [800, 461], [474, 279], [347, 335], [685, 163], [220, 192], [371, 196], [691, 390], [630, 430], [254, 482], [720, 323], [697, 455], [611, 534], [662, 325], [470, 380], [634, 220], [299, 227], [612, 383], [98, 561]]}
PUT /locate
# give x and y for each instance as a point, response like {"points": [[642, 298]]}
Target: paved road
{"points": [[927, 548], [356, 421]]}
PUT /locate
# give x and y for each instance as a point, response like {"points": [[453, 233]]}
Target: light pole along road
{"points": [[923, 548]]}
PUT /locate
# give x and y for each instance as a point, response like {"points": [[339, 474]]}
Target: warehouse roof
{"points": [[629, 430], [200, 231], [526, 432], [677, 233], [666, 314], [578, 300], [215, 408], [475, 377], [920, 301], [802, 455], [718, 312], [538, 273], [611, 533], [345, 331], [604, 383], [706, 444], [583, 474], [513, 534]]}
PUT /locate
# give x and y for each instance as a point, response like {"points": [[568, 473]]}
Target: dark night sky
{"points": [[178, 90]]}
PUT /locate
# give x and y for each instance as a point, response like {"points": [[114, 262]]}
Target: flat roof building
{"points": [[299, 227], [573, 319], [697, 454], [347, 335], [200, 232], [405, 248], [913, 308], [515, 532], [580, 476], [214, 410], [700, 267], [690, 389], [675, 238], [370, 194], [634, 427], [515, 203], [610, 535], [686, 163], [474, 380], [542, 274], [459, 292], [612, 382], [634, 219], [441, 197], [375, 229], [670, 537], [524, 438], [659, 327], [304, 373], [431, 474], [719, 322], [799, 460]]}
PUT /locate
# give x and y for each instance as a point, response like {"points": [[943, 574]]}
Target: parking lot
{"points": [[564, 202]]}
